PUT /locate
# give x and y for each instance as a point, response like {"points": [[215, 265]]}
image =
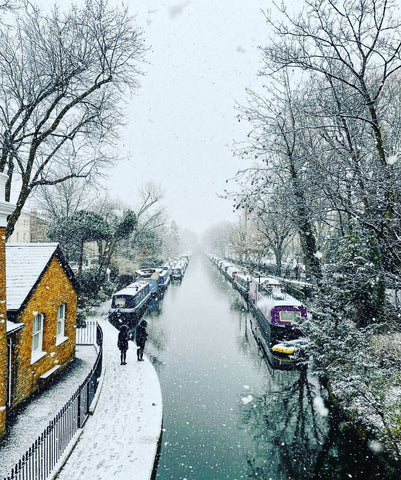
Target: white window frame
{"points": [[61, 316], [37, 333]]}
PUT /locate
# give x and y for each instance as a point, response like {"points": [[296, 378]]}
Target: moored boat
{"points": [[177, 272], [164, 277], [129, 303], [242, 282], [291, 350], [283, 313]]}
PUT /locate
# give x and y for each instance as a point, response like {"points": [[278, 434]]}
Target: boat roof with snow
{"points": [[132, 288]]}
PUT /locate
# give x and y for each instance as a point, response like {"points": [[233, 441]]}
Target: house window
{"points": [[61, 324], [37, 338]]}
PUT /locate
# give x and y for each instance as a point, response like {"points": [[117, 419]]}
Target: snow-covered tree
{"points": [[325, 130], [72, 232], [279, 141], [352, 48], [63, 79], [171, 240]]}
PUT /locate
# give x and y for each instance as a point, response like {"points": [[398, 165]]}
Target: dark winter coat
{"points": [[122, 341], [141, 336]]}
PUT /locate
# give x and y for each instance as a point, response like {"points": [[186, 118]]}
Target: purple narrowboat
{"points": [[283, 313]]}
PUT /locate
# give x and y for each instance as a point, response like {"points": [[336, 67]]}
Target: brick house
{"points": [[42, 296], [37, 339], [5, 210]]}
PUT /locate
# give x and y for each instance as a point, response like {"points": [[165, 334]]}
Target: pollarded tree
{"points": [[62, 81]]}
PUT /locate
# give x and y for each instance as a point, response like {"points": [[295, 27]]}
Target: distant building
{"points": [[31, 227]]}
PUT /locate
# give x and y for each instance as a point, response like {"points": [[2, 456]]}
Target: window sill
{"points": [[37, 356], [60, 340]]}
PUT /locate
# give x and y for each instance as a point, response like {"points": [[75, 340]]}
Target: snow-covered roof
{"points": [[14, 327], [25, 263], [132, 288], [285, 301]]}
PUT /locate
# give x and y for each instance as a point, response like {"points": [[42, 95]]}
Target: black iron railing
{"points": [[41, 458]]}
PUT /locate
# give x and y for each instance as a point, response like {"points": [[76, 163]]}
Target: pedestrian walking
{"points": [[122, 343], [140, 338]]}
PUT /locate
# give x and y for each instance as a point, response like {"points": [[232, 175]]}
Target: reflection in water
{"points": [[227, 413], [238, 304], [287, 430]]}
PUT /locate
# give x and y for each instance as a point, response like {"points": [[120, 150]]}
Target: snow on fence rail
{"points": [[42, 457]]}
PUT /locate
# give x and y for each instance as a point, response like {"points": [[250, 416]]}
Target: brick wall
{"points": [[3, 333], [53, 290]]}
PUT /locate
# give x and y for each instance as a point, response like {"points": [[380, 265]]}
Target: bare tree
{"points": [[62, 79], [278, 142], [277, 230], [148, 216], [65, 198], [217, 238], [126, 224], [354, 47]]}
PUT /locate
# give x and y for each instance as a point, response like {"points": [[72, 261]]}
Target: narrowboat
{"points": [[145, 273], [164, 277], [184, 260], [263, 287], [177, 272], [152, 276], [283, 313], [231, 272], [242, 282], [129, 303]]}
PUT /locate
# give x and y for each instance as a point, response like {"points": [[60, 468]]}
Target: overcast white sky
{"points": [[182, 122]]}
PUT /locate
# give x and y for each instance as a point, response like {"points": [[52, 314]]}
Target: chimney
{"points": [[5, 210]]}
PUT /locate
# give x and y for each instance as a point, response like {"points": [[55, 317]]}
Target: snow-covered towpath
{"points": [[120, 440]]}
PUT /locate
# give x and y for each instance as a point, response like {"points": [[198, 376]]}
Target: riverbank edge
{"points": [[386, 457], [154, 457]]}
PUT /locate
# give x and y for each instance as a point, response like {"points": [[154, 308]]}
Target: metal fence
{"points": [[41, 458]]}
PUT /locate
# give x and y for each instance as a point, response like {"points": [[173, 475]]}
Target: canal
{"points": [[226, 413]]}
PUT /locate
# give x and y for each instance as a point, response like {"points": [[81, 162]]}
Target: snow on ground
{"points": [[36, 415], [120, 440]]}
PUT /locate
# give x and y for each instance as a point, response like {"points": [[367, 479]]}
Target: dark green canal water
{"points": [[227, 413]]}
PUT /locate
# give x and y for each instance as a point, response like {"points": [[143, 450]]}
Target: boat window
{"points": [[289, 315], [123, 301], [119, 302]]}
